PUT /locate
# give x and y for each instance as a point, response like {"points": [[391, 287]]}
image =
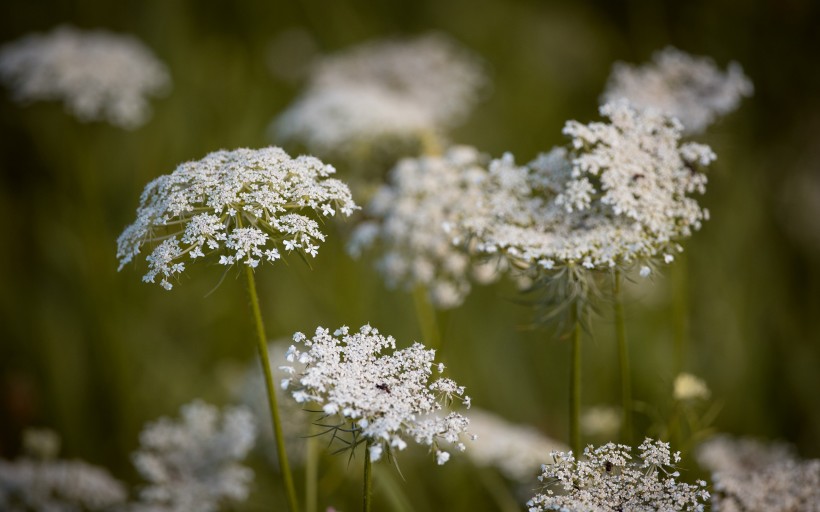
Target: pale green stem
{"points": [[680, 310], [575, 384], [311, 474], [368, 479], [623, 359], [499, 490], [426, 316], [392, 491], [262, 346], [430, 144]]}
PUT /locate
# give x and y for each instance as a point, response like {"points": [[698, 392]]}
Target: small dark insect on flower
{"points": [[636, 177], [383, 387], [608, 466]]}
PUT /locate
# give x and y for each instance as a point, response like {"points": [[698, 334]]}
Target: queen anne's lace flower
{"points": [[384, 398], [619, 195], [516, 450], [608, 478], [242, 205], [692, 89], [97, 74], [383, 91], [58, 486], [750, 476], [411, 219], [194, 464]]}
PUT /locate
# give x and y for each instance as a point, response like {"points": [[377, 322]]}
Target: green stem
{"points": [[426, 316], [623, 359], [262, 346], [368, 479], [575, 384], [430, 144], [498, 489], [311, 474], [680, 310]]}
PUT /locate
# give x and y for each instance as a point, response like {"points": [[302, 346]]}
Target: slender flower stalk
{"points": [[623, 358], [242, 206], [426, 316], [368, 479], [575, 382], [264, 359]]}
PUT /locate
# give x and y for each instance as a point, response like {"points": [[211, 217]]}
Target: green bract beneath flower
{"points": [[380, 398], [242, 205]]}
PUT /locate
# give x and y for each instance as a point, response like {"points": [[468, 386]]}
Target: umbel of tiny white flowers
{"points": [[39, 481], [98, 75], [690, 88], [382, 94], [242, 206], [383, 399], [409, 222], [194, 464], [621, 194], [608, 478], [751, 476]]}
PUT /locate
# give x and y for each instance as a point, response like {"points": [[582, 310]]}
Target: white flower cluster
{"points": [[194, 464], [411, 219], [242, 205], [692, 89], [689, 387], [57, 486], [619, 195], [99, 76], [608, 478], [383, 91], [749, 476], [385, 397], [516, 450]]}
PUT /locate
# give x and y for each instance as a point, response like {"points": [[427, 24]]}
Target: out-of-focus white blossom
{"points": [[690, 387], [194, 464], [383, 92], [242, 205], [620, 194], [411, 219], [41, 482], [383, 399], [41, 443], [608, 478], [751, 476], [601, 422], [692, 89], [516, 450], [100, 76]]}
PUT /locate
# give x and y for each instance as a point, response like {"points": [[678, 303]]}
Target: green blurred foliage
{"points": [[94, 353]]}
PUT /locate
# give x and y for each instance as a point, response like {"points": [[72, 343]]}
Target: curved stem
{"points": [[368, 479], [623, 359], [575, 384], [262, 347]]}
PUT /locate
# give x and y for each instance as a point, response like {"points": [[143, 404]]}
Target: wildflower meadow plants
{"points": [[485, 182], [242, 206], [379, 399]]}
